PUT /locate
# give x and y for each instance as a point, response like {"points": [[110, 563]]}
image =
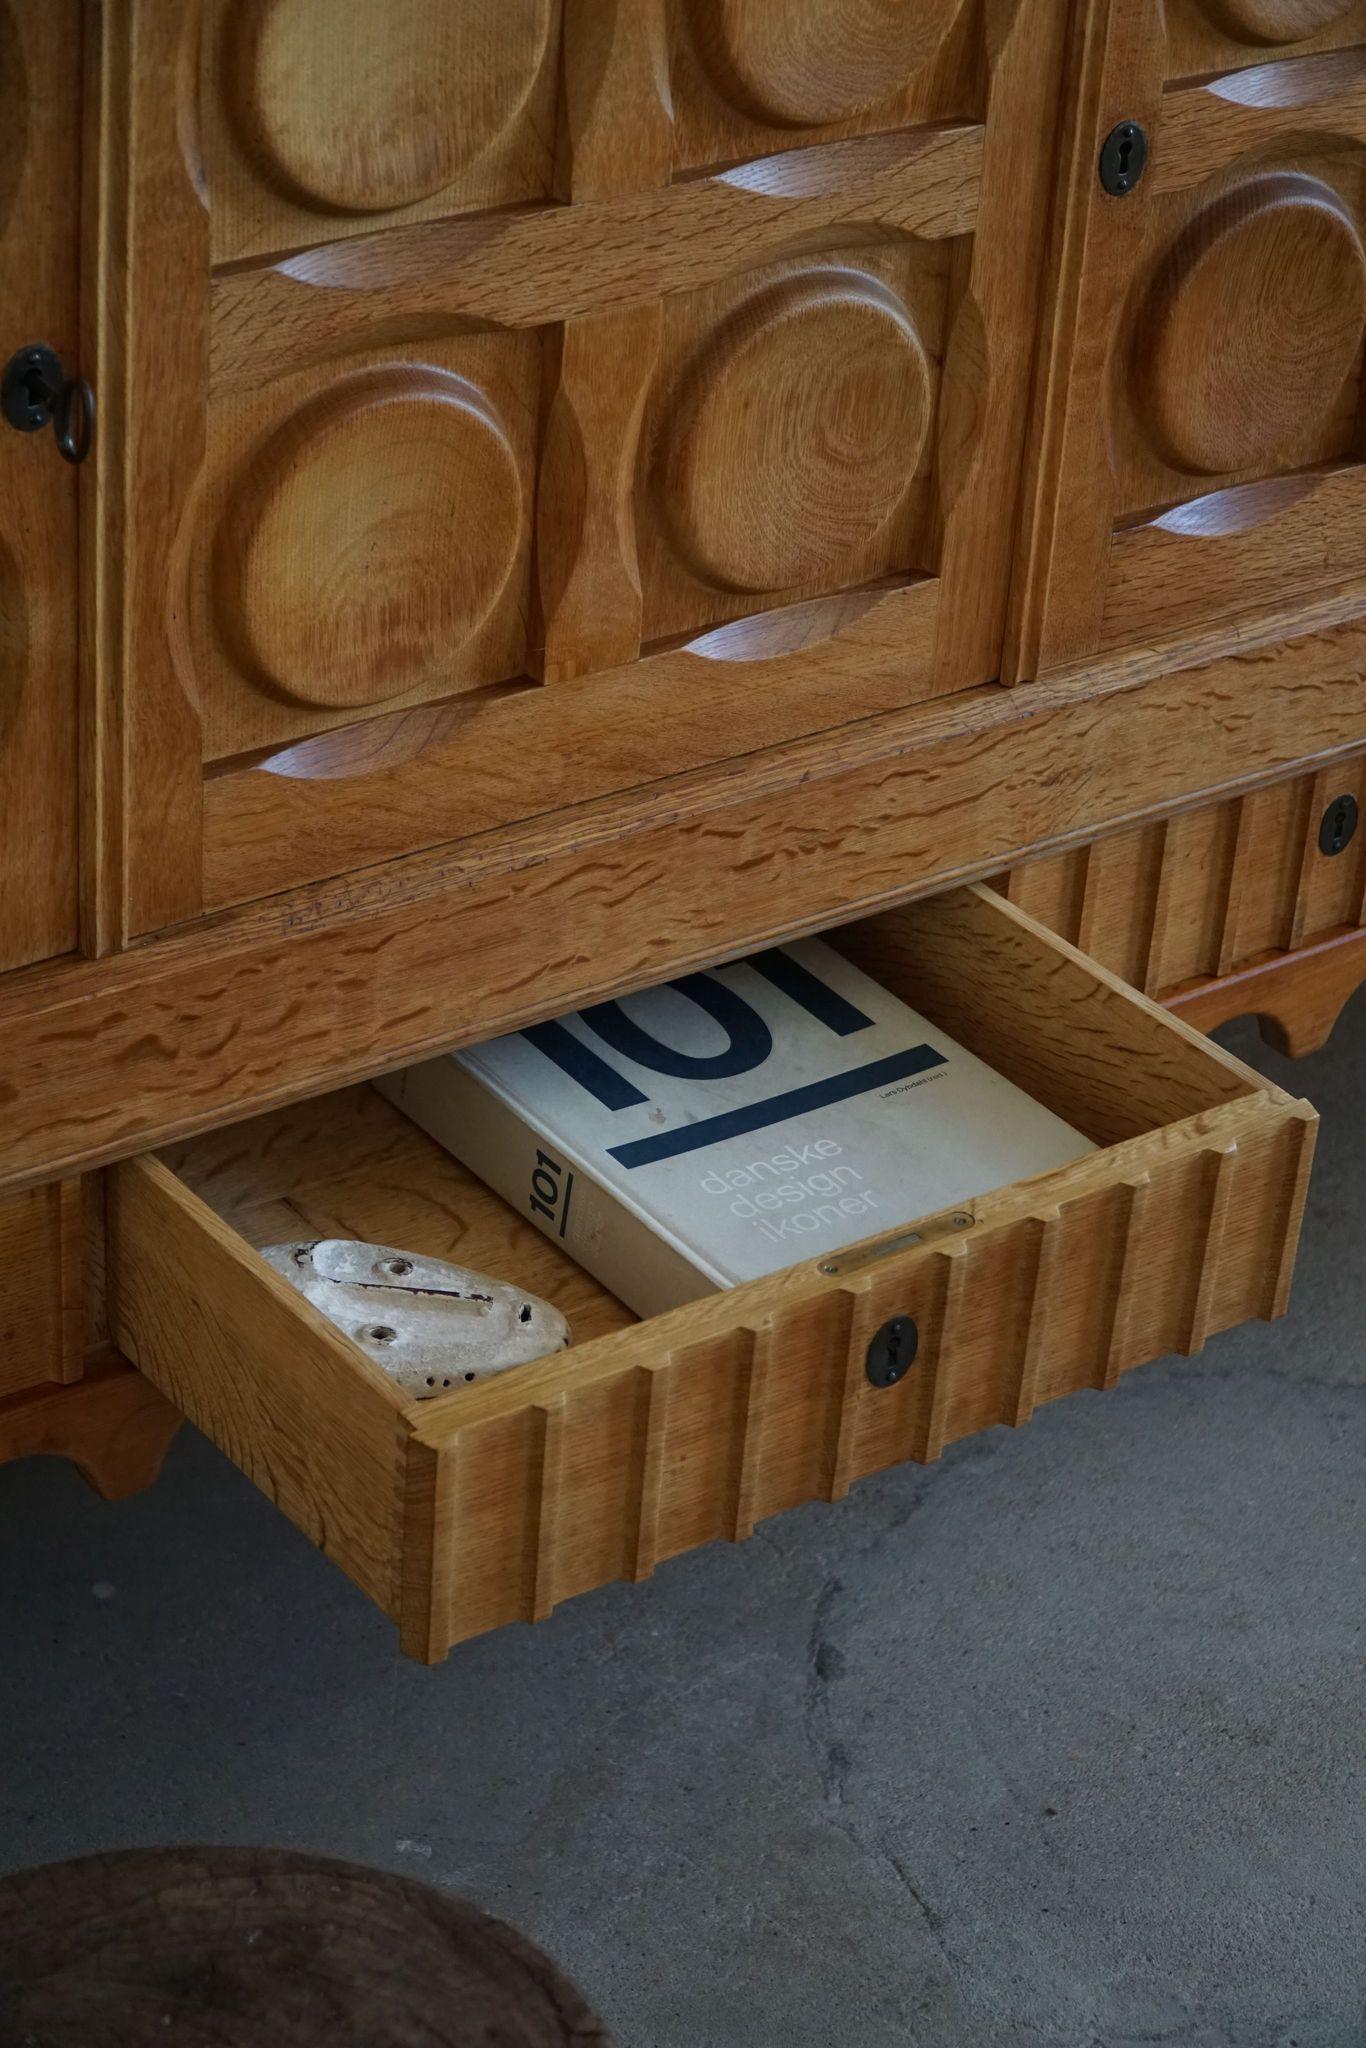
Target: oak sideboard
{"points": [[500, 505]]}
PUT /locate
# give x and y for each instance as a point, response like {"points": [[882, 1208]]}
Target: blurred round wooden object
{"points": [[233, 1948]]}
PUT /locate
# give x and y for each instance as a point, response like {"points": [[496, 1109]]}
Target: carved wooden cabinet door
{"points": [[1198, 435], [524, 400], [40, 135]]}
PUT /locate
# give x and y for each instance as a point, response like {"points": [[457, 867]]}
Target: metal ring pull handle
{"points": [[74, 400]]}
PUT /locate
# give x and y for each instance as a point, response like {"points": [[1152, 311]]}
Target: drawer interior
{"points": [[352, 1165], [496, 1500]]}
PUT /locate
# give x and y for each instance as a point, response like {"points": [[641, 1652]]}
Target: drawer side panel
{"points": [[305, 1415]]}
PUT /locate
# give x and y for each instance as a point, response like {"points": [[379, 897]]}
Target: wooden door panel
{"points": [[569, 394], [365, 538], [1199, 434], [40, 84], [328, 118], [323, 119], [1221, 35], [749, 75]]}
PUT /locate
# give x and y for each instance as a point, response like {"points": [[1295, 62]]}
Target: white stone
{"points": [[429, 1324]]}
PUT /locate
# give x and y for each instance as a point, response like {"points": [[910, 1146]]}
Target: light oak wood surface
{"points": [[1196, 433], [1205, 894], [111, 1424], [605, 350], [1224, 35], [1221, 912], [572, 478], [40, 84], [1235, 909], [1296, 997], [282, 1001], [497, 1501]]}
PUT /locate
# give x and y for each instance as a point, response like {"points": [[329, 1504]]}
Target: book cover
{"points": [[730, 1123]]}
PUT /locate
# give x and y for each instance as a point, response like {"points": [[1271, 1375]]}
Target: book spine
{"points": [[549, 1185]]}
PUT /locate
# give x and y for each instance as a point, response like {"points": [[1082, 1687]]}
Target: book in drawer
{"points": [[497, 1501]]}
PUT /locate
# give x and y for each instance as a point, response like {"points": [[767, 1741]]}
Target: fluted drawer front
{"points": [[498, 1501]]}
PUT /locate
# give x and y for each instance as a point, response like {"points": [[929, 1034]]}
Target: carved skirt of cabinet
{"points": [[1253, 906]]}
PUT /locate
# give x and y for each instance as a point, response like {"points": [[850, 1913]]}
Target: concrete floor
{"points": [[1057, 1743]]}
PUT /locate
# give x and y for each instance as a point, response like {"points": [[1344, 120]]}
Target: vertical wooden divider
{"points": [[146, 325], [599, 372]]}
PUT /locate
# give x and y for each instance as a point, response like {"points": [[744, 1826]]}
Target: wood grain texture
{"points": [[1297, 997], [537, 266], [587, 564], [1217, 556], [1111, 1295], [414, 778], [616, 132], [112, 1424], [649, 1439], [1227, 36], [985, 401], [798, 425], [750, 78], [1210, 890], [325, 987], [519, 432], [369, 538], [365, 108], [322, 119], [389, 789], [789, 64], [788, 435], [42, 1302], [1115, 74], [1251, 325], [258, 1944], [1277, 21], [316, 574], [1063, 1026], [591, 499], [40, 89], [189, 1307], [1232, 909], [146, 339], [1211, 123], [1203, 335], [363, 540], [1242, 257]]}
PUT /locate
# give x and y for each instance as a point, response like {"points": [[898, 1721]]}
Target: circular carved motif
{"points": [[1251, 325], [363, 105], [796, 63], [370, 540], [795, 432], [1277, 21]]}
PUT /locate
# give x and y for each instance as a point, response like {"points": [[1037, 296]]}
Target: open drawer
{"points": [[494, 1502]]}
